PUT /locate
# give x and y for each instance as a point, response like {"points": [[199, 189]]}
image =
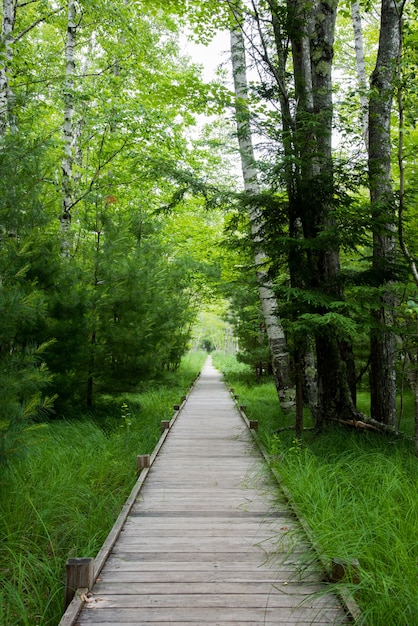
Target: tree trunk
{"points": [[311, 30], [303, 357], [68, 128], [361, 69], [6, 94], [382, 343], [274, 329]]}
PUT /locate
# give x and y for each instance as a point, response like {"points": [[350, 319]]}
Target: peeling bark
{"points": [[69, 131]]}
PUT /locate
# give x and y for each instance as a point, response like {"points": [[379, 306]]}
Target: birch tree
{"points": [[68, 124], [274, 328], [306, 131], [312, 31], [361, 69], [6, 94]]}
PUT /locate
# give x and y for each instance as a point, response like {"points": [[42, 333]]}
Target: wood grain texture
{"points": [[207, 540]]}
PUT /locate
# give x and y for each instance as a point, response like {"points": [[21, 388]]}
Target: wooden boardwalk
{"points": [[205, 541]]}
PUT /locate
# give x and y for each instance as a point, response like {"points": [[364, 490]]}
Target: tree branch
{"points": [[24, 4], [100, 167], [34, 25]]}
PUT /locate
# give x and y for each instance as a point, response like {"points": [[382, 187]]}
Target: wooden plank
{"points": [[219, 622], [283, 592], [199, 616], [255, 558], [189, 573], [147, 562], [212, 545], [205, 600]]}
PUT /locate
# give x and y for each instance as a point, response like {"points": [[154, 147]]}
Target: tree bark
{"points": [[6, 94], [303, 358], [274, 329], [311, 30], [382, 343], [68, 128], [361, 69], [307, 133]]}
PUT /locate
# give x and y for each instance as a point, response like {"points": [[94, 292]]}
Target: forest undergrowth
{"points": [[355, 489], [62, 496]]}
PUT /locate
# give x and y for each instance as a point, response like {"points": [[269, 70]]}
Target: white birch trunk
{"points": [[6, 94], [274, 329], [68, 126], [361, 69]]}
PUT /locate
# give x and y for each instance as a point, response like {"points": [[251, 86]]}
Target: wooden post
{"points": [[243, 407], [79, 575], [165, 425], [142, 461], [254, 424], [176, 407], [343, 570], [183, 398]]}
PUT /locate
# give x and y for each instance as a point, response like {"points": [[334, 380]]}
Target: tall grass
{"points": [[61, 499], [358, 493]]}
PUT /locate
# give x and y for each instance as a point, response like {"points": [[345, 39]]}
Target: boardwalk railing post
{"points": [[142, 461], [165, 425], [79, 575], [343, 570]]}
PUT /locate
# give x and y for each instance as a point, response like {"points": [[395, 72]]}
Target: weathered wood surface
{"points": [[205, 543]]}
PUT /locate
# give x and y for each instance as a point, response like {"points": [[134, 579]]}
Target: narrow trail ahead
{"points": [[205, 542]]}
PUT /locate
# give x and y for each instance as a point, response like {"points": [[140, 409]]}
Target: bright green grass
{"points": [[62, 498], [358, 493]]}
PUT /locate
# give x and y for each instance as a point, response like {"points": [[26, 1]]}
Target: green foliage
{"points": [[119, 308], [248, 323], [24, 376], [212, 331]]}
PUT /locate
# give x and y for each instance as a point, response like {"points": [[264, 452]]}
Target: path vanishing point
{"points": [[209, 540]]}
